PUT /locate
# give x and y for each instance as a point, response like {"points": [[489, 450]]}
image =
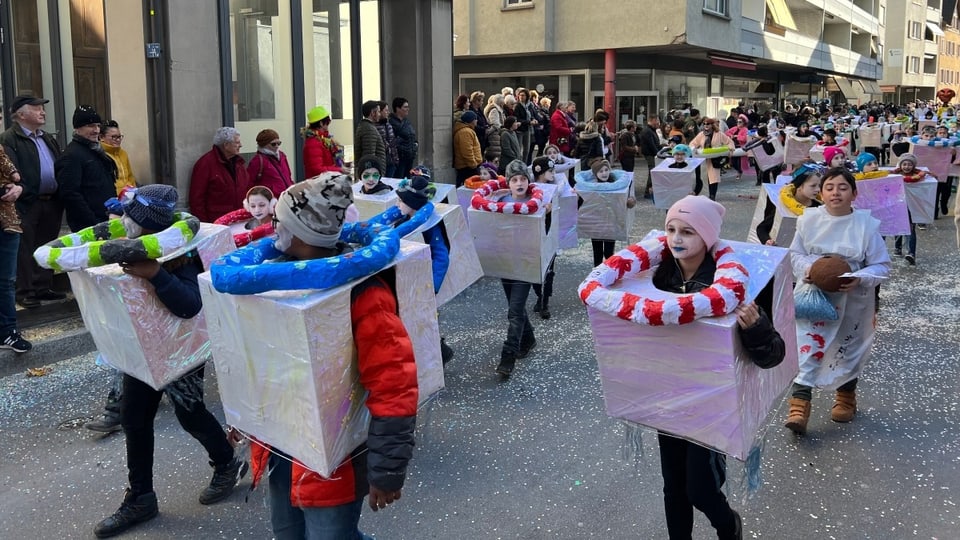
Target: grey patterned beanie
{"points": [[516, 168], [150, 206], [314, 210]]}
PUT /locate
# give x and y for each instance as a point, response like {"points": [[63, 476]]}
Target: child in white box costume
{"points": [[833, 353], [303, 505], [150, 210], [693, 475]]}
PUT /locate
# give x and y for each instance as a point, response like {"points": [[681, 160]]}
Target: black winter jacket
{"points": [[87, 179], [761, 341], [23, 152]]}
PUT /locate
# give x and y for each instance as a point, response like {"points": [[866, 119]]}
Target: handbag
{"points": [[811, 304]]}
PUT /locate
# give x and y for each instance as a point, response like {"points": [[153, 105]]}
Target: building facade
{"points": [[948, 69], [912, 40], [712, 54], [172, 71]]}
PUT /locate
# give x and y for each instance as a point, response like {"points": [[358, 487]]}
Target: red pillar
{"points": [[610, 87]]}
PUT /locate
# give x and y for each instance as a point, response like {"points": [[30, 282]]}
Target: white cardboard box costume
{"points": [[886, 200], [671, 185], [921, 198], [604, 215], [286, 360], [464, 268], [767, 161], [464, 196], [935, 159], [131, 327], [784, 221], [797, 149], [567, 201], [517, 246], [694, 381], [371, 205], [871, 135]]}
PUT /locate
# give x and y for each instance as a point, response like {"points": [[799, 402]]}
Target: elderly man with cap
{"points": [[219, 182], [466, 147], [34, 153], [87, 175], [174, 282], [303, 504]]}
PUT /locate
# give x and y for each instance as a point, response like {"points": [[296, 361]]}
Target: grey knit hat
{"points": [[517, 168], [151, 206], [314, 210], [907, 157]]}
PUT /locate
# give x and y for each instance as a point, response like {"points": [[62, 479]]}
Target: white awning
{"points": [[871, 87], [935, 28]]}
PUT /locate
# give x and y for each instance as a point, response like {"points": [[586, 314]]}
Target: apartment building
{"points": [[656, 56], [948, 68], [912, 39]]}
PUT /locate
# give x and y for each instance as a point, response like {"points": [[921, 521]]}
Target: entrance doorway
{"points": [[630, 106]]}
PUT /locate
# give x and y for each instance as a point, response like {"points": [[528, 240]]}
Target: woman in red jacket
{"points": [[321, 153], [739, 135], [219, 182], [269, 168], [560, 128]]}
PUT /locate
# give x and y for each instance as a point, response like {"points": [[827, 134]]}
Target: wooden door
{"points": [[89, 36], [26, 49]]}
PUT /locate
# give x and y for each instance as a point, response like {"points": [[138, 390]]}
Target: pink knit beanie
{"points": [[830, 152], [704, 215]]}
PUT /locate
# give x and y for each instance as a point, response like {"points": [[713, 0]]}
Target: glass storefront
{"points": [[266, 51]]}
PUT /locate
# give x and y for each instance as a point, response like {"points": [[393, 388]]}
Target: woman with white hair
{"points": [[495, 117], [219, 181]]}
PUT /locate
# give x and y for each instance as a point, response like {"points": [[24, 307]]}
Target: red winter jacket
{"points": [[388, 372], [560, 129], [270, 172], [214, 190], [320, 153]]}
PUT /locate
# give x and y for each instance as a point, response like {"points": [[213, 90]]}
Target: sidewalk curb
{"points": [[47, 351]]}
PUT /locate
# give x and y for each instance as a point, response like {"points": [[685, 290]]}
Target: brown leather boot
{"points": [[845, 406], [798, 415]]}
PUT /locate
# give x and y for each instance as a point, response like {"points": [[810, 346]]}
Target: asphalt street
{"points": [[537, 457]]}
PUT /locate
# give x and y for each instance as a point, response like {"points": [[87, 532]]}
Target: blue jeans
{"points": [[9, 245], [520, 331], [296, 523], [911, 240]]}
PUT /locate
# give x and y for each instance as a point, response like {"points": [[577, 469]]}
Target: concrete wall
{"points": [[128, 86], [418, 65], [711, 31], [193, 57], [485, 27]]}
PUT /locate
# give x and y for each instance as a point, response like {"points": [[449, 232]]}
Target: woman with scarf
{"points": [[321, 153], [269, 167]]}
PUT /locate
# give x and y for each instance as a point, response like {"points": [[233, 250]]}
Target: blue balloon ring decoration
{"points": [[393, 214], [245, 271]]}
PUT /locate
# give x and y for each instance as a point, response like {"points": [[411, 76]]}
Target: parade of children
{"points": [[738, 333]]}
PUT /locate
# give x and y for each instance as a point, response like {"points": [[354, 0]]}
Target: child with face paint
{"points": [[543, 173], [680, 154], [801, 193], [371, 169], [259, 202], [601, 173], [693, 476], [561, 164], [520, 337], [833, 353], [907, 166]]}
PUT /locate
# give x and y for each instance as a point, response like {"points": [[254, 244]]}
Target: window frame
{"points": [[722, 8], [510, 5]]}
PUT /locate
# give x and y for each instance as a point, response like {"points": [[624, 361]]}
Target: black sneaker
{"points": [[49, 294], [538, 306], [544, 313], [911, 259], [505, 368], [446, 351], [898, 252], [108, 423], [525, 348], [28, 301], [225, 477], [738, 523], [133, 511], [15, 342]]}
